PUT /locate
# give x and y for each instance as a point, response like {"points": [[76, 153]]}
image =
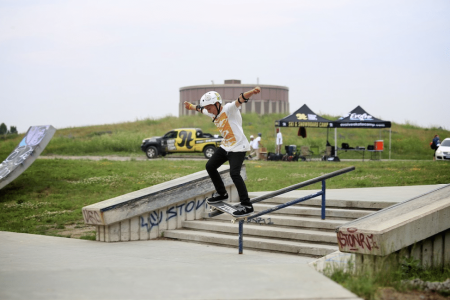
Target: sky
{"points": [[76, 62]]}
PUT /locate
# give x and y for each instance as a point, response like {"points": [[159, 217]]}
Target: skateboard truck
{"points": [[228, 209], [239, 219]]}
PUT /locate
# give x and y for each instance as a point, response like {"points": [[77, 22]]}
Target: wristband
{"points": [[190, 106], [245, 99]]}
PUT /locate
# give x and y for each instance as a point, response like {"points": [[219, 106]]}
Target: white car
{"points": [[443, 152]]}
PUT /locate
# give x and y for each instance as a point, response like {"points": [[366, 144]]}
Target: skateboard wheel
{"points": [[233, 220]]}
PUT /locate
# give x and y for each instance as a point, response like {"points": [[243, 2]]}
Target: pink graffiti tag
{"points": [[353, 239]]}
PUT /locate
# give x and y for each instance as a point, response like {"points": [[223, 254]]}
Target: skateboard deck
{"points": [[228, 209]]}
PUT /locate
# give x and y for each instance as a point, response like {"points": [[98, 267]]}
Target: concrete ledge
{"points": [[146, 213], [398, 226]]}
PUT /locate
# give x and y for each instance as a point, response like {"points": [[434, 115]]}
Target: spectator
{"points": [[279, 141], [257, 145], [435, 145], [252, 151]]}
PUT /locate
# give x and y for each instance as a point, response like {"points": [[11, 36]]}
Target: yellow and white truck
{"points": [[181, 140]]}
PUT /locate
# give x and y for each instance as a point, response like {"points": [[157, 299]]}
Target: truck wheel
{"points": [[151, 152], [209, 151]]}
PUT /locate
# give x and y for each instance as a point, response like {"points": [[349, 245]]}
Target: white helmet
{"points": [[210, 98], [251, 136]]}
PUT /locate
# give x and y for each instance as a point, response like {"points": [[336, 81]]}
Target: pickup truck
{"points": [[181, 140]]}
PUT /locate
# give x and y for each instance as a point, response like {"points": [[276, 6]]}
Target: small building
{"points": [[272, 99]]}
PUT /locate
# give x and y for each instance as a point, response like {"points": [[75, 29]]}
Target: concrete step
{"points": [[330, 203], [290, 220], [296, 229], [315, 211], [252, 242], [268, 231]]}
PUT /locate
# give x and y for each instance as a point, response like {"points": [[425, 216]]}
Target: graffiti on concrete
{"points": [[353, 240], [261, 221], [25, 149], [154, 219], [91, 217]]}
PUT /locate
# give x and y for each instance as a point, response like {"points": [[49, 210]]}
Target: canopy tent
{"points": [[359, 118], [303, 117]]}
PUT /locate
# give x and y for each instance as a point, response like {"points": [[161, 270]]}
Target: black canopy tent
{"points": [[359, 118], [304, 117]]}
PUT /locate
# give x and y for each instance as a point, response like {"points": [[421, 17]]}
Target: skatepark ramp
{"points": [[299, 229], [148, 213], [418, 228]]}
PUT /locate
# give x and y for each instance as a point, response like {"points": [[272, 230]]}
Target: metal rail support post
{"points": [[323, 199], [241, 233]]}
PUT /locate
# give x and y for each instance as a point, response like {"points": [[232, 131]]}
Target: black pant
{"points": [[236, 160]]}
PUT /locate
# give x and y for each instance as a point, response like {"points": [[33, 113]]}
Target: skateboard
{"points": [[228, 209]]}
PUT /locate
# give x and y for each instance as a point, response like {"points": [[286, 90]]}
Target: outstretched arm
{"points": [[244, 97], [190, 106]]}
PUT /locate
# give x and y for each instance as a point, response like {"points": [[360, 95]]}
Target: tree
{"points": [[13, 130], [3, 128]]}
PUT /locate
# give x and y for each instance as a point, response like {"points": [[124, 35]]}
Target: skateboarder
{"points": [[234, 145]]}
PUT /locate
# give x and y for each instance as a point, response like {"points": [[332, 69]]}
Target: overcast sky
{"points": [[75, 62]]}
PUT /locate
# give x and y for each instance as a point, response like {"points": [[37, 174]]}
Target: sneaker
{"points": [[216, 198], [243, 210]]}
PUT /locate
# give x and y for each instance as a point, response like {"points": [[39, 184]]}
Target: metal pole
{"points": [[323, 199], [291, 188], [281, 206], [241, 233], [335, 142], [390, 135]]}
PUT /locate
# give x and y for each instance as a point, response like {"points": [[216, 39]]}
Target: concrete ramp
{"points": [[31, 146], [423, 218], [148, 213]]}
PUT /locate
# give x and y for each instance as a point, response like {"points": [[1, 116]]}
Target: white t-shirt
{"points": [[279, 138], [229, 123], [256, 143]]}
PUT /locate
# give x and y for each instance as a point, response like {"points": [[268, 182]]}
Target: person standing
{"points": [[233, 148], [435, 145], [252, 151], [279, 141], [257, 145]]}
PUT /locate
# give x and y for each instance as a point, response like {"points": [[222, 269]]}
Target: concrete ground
{"points": [[43, 267]]}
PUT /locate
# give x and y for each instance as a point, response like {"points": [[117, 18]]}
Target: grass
{"points": [[368, 281], [408, 141], [51, 193], [48, 197]]}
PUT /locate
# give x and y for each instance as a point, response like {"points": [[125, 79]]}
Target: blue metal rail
{"points": [[284, 205]]}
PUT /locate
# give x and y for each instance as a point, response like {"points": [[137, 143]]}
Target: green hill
{"points": [[124, 139]]}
